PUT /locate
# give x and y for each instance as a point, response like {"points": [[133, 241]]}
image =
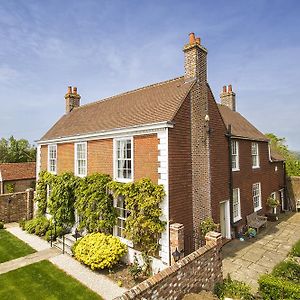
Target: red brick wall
{"points": [[20, 185], [44, 157], [180, 172], [271, 180], [146, 157], [65, 158], [100, 157], [219, 158]]}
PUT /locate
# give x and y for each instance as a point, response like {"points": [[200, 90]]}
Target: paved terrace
{"points": [[246, 261]]}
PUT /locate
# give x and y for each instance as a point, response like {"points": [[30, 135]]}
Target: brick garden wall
{"points": [[20, 185], [293, 187], [200, 270], [16, 206]]}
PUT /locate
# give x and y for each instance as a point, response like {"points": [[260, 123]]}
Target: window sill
{"points": [[123, 180], [256, 167], [257, 208], [237, 219], [234, 170], [125, 241], [81, 176]]}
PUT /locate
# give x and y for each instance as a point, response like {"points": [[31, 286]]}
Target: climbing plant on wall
{"points": [[41, 192], [143, 225], [94, 205]]}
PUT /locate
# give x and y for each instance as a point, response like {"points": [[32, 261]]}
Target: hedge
{"points": [[276, 288]]}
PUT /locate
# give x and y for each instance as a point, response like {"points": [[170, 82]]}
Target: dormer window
{"points": [[235, 155], [255, 155]]}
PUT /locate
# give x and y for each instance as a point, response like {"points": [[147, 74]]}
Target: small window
{"points": [[124, 159], [256, 192], [235, 155], [52, 159], [122, 214], [236, 205], [81, 159], [255, 155]]}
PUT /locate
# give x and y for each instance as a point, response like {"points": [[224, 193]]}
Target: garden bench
{"points": [[255, 221]]}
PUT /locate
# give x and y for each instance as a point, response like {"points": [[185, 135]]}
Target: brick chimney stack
{"points": [[228, 97], [195, 62], [72, 99]]}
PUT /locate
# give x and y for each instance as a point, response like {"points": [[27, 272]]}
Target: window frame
{"points": [[255, 155], [259, 207], [76, 160], [115, 158], [236, 155], [52, 159], [239, 215]]}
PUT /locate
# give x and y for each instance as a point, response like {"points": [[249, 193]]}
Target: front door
{"points": [[225, 219]]}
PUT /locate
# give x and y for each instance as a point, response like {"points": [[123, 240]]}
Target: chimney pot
{"points": [[229, 88], [228, 97], [69, 90], [198, 41], [192, 38], [75, 90], [224, 89]]}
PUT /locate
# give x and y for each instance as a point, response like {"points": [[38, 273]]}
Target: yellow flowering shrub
{"points": [[99, 251]]}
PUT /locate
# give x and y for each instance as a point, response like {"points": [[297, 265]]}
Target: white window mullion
{"points": [[81, 159], [52, 158]]}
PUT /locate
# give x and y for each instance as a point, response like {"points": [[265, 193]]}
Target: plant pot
{"points": [[272, 217]]}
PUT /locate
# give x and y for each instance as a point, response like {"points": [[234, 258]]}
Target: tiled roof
{"points": [[275, 155], [152, 104], [15, 171], [240, 127]]}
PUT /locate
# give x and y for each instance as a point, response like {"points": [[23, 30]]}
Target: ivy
{"points": [[41, 192], [94, 205], [143, 225]]}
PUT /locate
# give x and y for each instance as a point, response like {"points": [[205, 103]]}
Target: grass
{"points": [[42, 280], [11, 247], [296, 249]]}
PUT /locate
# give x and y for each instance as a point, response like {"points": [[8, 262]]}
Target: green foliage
{"points": [[143, 225], [38, 226], [99, 251], [272, 202], [207, 225], [12, 151], [292, 162], [233, 289], [296, 249], [1, 225], [94, 205], [276, 288], [138, 270], [288, 270], [62, 198], [57, 232], [10, 187], [41, 191], [251, 232], [22, 223]]}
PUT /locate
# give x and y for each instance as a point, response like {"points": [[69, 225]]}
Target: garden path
{"points": [[97, 282], [246, 261]]}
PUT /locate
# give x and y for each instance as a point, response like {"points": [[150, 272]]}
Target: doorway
{"points": [[225, 219]]}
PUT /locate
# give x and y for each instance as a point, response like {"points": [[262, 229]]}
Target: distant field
{"points": [[11, 247]]}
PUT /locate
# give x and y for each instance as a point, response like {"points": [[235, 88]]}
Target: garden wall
{"points": [[200, 270], [16, 206], [293, 187]]}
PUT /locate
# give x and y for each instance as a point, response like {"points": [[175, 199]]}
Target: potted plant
{"points": [[272, 202]]}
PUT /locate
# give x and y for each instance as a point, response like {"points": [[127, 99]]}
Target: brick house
{"points": [[17, 176], [175, 133]]}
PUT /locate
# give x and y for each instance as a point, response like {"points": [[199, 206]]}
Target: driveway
{"points": [[246, 261]]}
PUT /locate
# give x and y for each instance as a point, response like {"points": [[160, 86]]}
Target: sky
{"points": [[108, 47]]}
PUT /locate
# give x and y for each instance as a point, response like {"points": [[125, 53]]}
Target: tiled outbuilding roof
{"points": [[148, 105], [240, 127], [16, 171], [275, 155]]}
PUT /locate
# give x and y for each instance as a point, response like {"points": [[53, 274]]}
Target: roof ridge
{"points": [[130, 92]]}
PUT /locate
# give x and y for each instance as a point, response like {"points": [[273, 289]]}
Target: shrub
{"points": [[273, 288], [207, 225], [296, 249], [234, 289], [287, 270], [1, 225], [58, 232], [38, 226], [99, 251], [22, 223]]}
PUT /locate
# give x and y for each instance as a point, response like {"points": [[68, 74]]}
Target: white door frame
{"points": [[227, 218]]}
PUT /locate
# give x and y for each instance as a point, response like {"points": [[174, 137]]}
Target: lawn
{"points": [[11, 247], [42, 280]]}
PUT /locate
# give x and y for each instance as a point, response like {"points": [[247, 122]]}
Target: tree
{"points": [[291, 160], [13, 150]]}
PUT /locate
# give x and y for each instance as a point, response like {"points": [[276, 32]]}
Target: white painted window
{"points": [[236, 205], [273, 195], [235, 155], [122, 214], [81, 159], [256, 192], [123, 159], [52, 158], [255, 155]]}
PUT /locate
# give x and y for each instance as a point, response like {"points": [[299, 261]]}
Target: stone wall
{"points": [[293, 187], [16, 206], [200, 270]]}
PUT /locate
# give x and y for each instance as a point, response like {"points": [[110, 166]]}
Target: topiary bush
{"points": [[288, 270], [275, 288], [99, 251], [38, 226], [233, 289]]}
